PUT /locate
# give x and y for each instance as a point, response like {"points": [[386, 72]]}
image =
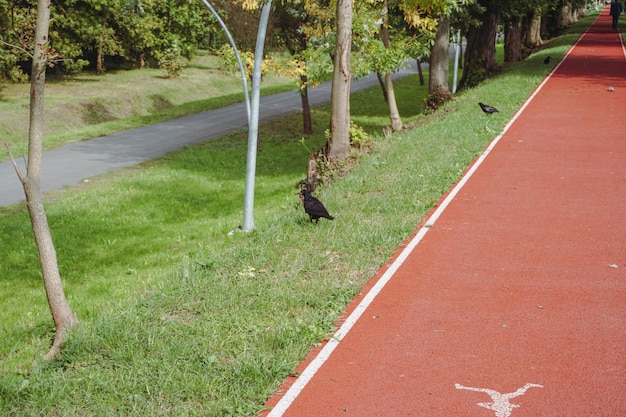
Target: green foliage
{"points": [[228, 58], [117, 31], [230, 62], [172, 61], [359, 138], [17, 30], [316, 64], [419, 43], [381, 59], [10, 71]]}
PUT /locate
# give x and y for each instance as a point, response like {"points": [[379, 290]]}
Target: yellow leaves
{"points": [[290, 68], [279, 65], [421, 22], [251, 4], [418, 16], [425, 14]]}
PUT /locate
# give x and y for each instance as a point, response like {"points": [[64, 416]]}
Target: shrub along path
{"points": [[509, 299]]}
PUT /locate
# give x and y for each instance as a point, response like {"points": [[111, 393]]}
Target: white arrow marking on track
{"points": [[500, 404]]}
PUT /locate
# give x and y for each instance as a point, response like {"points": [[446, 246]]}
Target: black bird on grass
{"points": [[547, 60], [488, 109], [313, 207]]}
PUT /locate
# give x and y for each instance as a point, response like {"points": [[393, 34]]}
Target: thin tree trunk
{"points": [[420, 72], [394, 113], [338, 145], [525, 35], [63, 317], [381, 82], [99, 55], [307, 125]]}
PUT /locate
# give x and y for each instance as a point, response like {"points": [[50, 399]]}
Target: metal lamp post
{"points": [[252, 107]]}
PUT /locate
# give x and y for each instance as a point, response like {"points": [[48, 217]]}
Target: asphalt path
{"points": [[72, 164]]}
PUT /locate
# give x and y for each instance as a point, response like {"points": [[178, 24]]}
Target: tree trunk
{"points": [[307, 125], [381, 82], [568, 15], [535, 30], [99, 59], [390, 95], [513, 40], [338, 145], [63, 317], [394, 113], [480, 53], [420, 72], [525, 35], [439, 63]]}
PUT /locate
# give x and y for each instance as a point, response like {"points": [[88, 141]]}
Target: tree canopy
{"points": [[89, 32], [134, 33]]}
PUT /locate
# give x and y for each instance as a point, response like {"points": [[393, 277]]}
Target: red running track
{"points": [[510, 300]]}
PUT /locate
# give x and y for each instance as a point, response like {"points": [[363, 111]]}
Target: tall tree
{"points": [[381, 47], [138, 30], [480, 55], [439, 63], [87, 30], [390, 95], [289, 19], [435, 16], [338, 145], [64, 318], [518, 19]]}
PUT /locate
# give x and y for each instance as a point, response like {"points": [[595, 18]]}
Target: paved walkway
{"points": [[69, 165], [510, 298]]}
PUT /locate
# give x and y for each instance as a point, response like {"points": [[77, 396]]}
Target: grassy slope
{"points": [[180, 319], [86, 106]]}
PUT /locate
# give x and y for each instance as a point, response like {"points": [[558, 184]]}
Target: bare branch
{"points": [[18, 47], [17, 169]]}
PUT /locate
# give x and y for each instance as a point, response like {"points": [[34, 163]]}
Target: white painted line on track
{"points": [[309, 372]]}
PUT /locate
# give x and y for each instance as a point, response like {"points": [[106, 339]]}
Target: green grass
{"points": [[178, 318]]}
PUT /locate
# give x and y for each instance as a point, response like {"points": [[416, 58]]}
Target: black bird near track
{"points": [[488, 109], [547, 60], [313, 207]]}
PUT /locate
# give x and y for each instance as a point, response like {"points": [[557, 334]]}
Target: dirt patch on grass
{"points": [[160, 103], [93, 113]]}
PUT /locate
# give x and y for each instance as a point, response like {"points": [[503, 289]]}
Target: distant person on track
{"points": [[616, 10]]}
